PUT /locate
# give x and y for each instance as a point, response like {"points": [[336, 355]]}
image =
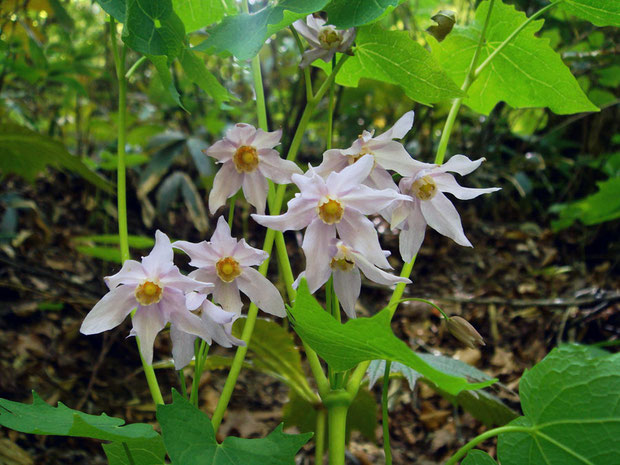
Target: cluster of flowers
{"points": [[333, 202]]}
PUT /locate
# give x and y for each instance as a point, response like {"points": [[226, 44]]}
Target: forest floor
{"points": [[523, 287]]}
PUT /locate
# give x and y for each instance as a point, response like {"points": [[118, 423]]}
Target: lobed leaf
{"points": [[526, 73], [395, 58], [197, 14], [142, 452], [190, 440], [343, 346], [598, 12], [350, 13], [197, 72]]}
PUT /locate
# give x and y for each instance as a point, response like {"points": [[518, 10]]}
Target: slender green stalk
{"points": [[330, 111], [456, 104], [246, 336], [384, 410], [121, 188], [319, 436], [128, 454], [306, 70], [135, 66], [183, 383], [231, 210], [337, 403], [483, 437]]}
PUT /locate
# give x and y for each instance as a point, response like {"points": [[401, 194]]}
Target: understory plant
{"points": [[571, 413]]}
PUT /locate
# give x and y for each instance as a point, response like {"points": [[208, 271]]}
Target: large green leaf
{"points": [[602, 206], [153, 28], [393, 57], [343, 346], [244, 34], [197, 72], [163, 70], [190, 440], [526, 73], [571, 411], [115, 8], [197, 14], [598, 12], [478, 457], [41, 418], [26, 153], [142, 452], [350, 13]]}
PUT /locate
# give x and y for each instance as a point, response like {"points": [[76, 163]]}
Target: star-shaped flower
{"points": [[336, 204], [427, 204], [248, 160], [157, 288], [324, 39], [227, 263], [387, 153]]}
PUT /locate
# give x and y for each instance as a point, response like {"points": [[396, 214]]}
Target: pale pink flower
{"points": [[387, 153], [227, 263], [345, 264], [248, 160], [336, 204], [325, 40], [157, 288], [427, 204]]}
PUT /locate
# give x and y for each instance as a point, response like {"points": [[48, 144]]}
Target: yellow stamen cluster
{"points": [[424, 188], [330, 211], [227, 269], [329, 38], [342, 264], [245, 159], [365, 151], [148, 293]]}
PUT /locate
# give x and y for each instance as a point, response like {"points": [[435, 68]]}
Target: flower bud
{"points": [[464, 331]]}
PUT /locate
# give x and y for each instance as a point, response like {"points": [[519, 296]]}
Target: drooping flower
{"points": [[464, 331], [387, 153], [336, 204], [427, 204], [324, 39], [227, 263], [248, 160], [345, 264], [157, 288]]}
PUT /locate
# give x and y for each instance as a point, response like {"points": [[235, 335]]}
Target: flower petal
{"points": [[193, 300], [447, 183], [442, 216], [276, 169], [222, 241], [375, 274], [358, 231], [460, 164], [333, 161], [392, 155], [131, 272], [400, 128], [241, 134], [309, 34], [159, 261], [182, 347], [248, 256], [225, 184], [380, 179], [350, 177], [369, 201], [217, 314], [110, 311], [266, 140], [299, 214], [227, 295], [316, 249], [255, 188], [261, 291], [347, 285], [223, 150], [201, 254], [310, 56], [147, 323], [412, 234], [174, 279]]}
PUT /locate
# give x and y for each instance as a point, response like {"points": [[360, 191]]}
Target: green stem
{"points": [[121, 188], [337, 403], [384, 410], [246, 336], [135, 66], [231, 210], [319, 436], [456, 104], [330, 111], [183, 383], [483, 437], [306, 70]]}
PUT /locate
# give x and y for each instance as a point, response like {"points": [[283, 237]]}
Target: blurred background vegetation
{"points": [[57, 80]]}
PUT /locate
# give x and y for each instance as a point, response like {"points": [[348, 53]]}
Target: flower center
{"points": [[245, 159], [342, 264], [365, 151], [148, 293], [227, 269], [330, 211], [424, 188], [329, 38]]}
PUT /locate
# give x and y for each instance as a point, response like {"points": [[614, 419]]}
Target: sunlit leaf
{"points": [[197, 14], [598, 12], [115, 8], [350, 13], [190, 440], [343, 346], [526, 73], [153, 28], [394, 57]]}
